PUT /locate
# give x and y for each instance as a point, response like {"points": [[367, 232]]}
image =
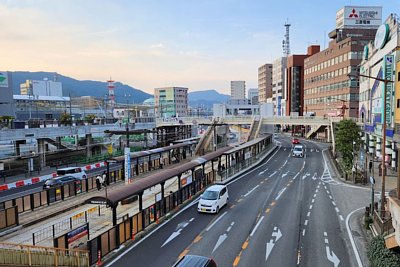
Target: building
{"points": [[41, 88], [252, 95], [328, 91], [278, 85], [264, 83], [171, 102], [6, 95], [295, 82], [238, 90]]}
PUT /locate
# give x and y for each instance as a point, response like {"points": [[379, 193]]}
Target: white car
{"points": [[298, 151], [76, 172], [213, 199]]}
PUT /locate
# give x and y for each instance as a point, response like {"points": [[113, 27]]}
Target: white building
{"points": [[171, 102], [278, 86], [238, 90], [41, 88], [252, 95]]}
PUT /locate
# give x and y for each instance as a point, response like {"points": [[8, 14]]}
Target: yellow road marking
{"points": [[233, 205], [245, 244], [236, 261], [267, 210], [273, 203], [239, 200], [183, 253], [288, 184], [197, 239], [262, 182]]}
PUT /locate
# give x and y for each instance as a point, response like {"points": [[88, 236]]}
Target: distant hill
{"points": [[81, 88], [206, 98]]}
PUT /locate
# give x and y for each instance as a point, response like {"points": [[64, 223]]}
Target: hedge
{"points": [[380, 256]]}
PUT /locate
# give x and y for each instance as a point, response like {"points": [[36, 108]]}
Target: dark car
{"points": [[195, 261], [59, 181]]}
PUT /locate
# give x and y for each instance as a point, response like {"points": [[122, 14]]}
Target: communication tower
{"points": [[286, 43], [111, 95]]}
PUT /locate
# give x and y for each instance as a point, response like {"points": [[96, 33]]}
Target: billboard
{"points": [[359, 17], [3, 79], [127, 167], [388, 62]]}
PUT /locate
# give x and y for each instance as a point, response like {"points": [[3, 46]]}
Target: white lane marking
{"points": [[304, 232], [305, 222], [310, 207], [351, 237], [181, 226], [255, 227], [272, 174], [312, 201], [333, 202], [230, 227], [270, 245], [220, 240], [332, 257], [315, 195], [261, 173], [294, 178], [325, 234], [285, 163], [326, 241], [248, 193], [308, 214], [330, 196], [341, 217], [316, 191], [280, 193], [337, 210], [217, 220]]}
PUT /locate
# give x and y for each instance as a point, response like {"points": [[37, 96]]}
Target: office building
{"points": [[252, 95], [41, 88], [238, 90], [295, 82], [328, 91], [264, 83], [171, 102], [278, 86]]}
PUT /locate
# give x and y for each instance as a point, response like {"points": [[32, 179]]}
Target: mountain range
{"points": [[123, 92]]}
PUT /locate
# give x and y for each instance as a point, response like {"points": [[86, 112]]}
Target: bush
{"points": [[380, 256]]}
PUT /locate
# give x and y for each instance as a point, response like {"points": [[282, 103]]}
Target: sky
{"points": [[146, 44]]}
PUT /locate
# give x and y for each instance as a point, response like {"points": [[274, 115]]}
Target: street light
{"points": [[383, 165]]}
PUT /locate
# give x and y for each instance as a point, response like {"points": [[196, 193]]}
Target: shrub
{"points": [[380, 256]]}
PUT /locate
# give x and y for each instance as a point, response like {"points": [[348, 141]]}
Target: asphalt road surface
{"points": [[281, 213]]}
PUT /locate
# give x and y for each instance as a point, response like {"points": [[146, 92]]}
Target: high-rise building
{"points": [[252, 95], [328, 91], [295, 82], [238, 90], [264, 83], [6, 95], [278, 85], [171, 102]]}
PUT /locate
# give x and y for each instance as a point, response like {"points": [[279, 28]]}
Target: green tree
{"points": [[379, 255], [347, 138], [65, 118]]}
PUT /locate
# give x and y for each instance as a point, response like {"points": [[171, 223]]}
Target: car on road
{"points": [[77, 172], [298, 151], [213, 199], [59, 181], [295, 141], [195, 261]]}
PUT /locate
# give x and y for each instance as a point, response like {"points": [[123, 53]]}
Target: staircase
{"points": [[254, 129], [314, 130], [55, 143], [206, 139]]}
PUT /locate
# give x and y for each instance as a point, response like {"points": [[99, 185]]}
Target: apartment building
{"points": [[264, 83], [171, 102], [328, 91], [278, 86], [238, 90]]}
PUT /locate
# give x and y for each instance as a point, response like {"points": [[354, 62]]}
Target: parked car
{"points": [[298, 151], [77, 172], [213, 199], [194, 260], [59, 181], [295, 141]]}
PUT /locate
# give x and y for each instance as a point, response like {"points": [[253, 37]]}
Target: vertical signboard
{"points": [[3, 79], [279, 105], [388, 91], [397, 96], [127, 152]]}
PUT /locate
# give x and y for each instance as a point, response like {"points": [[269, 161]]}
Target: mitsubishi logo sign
{"points": [[353, 14]]}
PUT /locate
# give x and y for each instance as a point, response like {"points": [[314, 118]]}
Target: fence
{"points": [[383, 225], [8, 217], [47, 197], [129, 227], [64, 225], [26, 255]]}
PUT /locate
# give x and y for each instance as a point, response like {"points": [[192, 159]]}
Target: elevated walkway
{"points": [[254, 129]]}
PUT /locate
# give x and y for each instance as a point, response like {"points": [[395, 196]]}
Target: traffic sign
{"points": [[371, 180]]}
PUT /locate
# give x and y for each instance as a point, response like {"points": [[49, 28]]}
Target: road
{"points": [[37, 187], [282, 213]]}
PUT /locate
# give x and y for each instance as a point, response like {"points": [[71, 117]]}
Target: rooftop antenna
{"points": [[286, 42]]}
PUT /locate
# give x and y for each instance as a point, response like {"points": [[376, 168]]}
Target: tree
{"points": [[379, 255], [347, 138], [65, 118]]}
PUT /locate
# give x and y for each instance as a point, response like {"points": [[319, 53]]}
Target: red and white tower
{"points": [[111, 95]]}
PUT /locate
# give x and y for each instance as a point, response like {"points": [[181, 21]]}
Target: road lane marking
{"points": [[273, 203], [217, 220], [272, 174], [267, 210], [333, 202], [183, 254], [341, 217], [280, 193], [176, 233], [255, 227], [315, 195], [351, 237], [245, 244], [337, 210], [305, 222], [326, 241], [330, 196], [197, 239], [308, 214], [270, 245], [311, 207], [230, 227], [304, 232], [312, 201], [248, 193]]}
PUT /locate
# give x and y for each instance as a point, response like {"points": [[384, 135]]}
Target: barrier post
{"points": [[98, 258], [133, 234]]}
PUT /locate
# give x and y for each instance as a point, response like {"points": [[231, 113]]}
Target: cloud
{"points": [[157, 46]]}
